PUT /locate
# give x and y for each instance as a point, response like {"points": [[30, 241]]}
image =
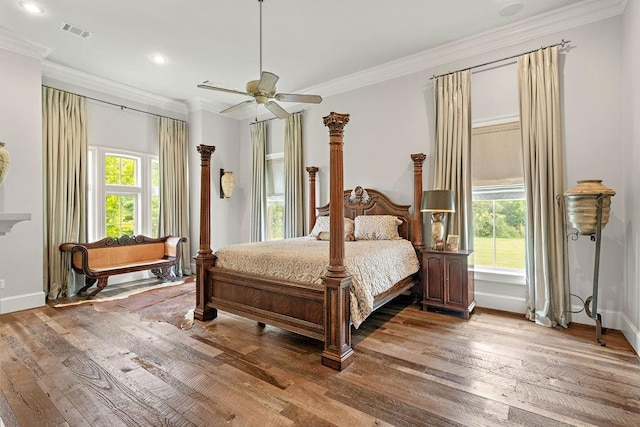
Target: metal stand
{"points": [[593, 299]]}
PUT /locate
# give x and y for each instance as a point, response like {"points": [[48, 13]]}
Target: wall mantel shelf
{"points": [[8, 220]]}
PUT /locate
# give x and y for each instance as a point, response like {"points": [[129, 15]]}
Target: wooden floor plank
{"points": [[127, 362]]}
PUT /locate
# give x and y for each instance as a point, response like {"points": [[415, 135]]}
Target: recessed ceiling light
{"points": [[159, 59], [511, 9], [32, 7]]}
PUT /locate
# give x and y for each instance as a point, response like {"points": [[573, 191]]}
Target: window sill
{"points": [[513, 277]]}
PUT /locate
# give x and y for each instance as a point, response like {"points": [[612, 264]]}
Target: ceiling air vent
{"points": [[76, 31]]}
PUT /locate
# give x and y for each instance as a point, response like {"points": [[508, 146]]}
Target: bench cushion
{"points": [[104, 258]]}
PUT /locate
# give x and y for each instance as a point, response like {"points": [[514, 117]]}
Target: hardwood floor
{"points": [[121, 366]]}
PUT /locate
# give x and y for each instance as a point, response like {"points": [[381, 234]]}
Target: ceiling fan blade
{"points": [[267, 82], [238, 106], [292, 97], [221, 89], [277, 110]]}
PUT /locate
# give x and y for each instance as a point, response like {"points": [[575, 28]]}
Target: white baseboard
{"points": [[631, 333], [22, 302], [509, 303], [610, 318], [515, 304]]}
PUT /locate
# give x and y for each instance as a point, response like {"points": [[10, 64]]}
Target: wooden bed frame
{"points": [[310, 310]]}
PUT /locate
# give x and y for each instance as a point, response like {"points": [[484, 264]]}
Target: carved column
{"points": [[337, 329], [205, 257], [336, 123], [418, 160], [312, 170]]}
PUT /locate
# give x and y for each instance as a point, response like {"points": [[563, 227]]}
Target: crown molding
{"points": [[13, 43], [199, 104], [92, 82], [575, 15]]}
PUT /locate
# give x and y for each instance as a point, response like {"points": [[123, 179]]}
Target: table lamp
{"points": [[439, 203]]}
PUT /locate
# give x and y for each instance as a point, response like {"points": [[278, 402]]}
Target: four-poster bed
{"points": [[313, 310]]}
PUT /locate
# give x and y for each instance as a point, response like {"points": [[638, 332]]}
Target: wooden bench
{"points": [[109, 256]]}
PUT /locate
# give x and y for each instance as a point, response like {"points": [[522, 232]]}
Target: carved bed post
{"points": [[205, 257], [337, 328], [418, 159], [312, 196]]}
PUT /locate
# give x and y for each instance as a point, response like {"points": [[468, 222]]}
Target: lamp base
{"points": [[438, 227]]}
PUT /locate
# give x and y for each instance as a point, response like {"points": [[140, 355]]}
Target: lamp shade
{"points": [[438, 201]]}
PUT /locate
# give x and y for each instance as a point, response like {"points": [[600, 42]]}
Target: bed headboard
{"points": [[365, 201]]}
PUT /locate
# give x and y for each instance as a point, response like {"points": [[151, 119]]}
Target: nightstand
{"points": [[447, 282]]}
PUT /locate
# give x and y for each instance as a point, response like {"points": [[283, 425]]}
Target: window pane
{"points": [[128, 174], [120, 213], [155, 174], [510, 220], [483, 243], [275, 221], [510, 252], [499, 232], [120, 170], [112, 170]]}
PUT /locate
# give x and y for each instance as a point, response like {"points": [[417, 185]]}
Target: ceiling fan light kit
{"points": [[263, 91]]}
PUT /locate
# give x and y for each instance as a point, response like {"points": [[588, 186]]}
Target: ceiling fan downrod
{"points": [[260, 1]]}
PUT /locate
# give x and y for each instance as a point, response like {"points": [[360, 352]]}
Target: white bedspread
{"points": [[375, 265]]}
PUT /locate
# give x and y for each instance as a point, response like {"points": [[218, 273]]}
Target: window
{"points": [[274, 176], [123, 193], [499, 226], [499, 207]]}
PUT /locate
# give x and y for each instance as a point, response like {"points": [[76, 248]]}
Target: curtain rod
{"points": [[273, 118], [562, 43], [122, 107]]}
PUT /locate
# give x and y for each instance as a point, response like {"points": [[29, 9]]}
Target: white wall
{"points": [[631, 167], [222, 132], [21, 250], [112, 127]]}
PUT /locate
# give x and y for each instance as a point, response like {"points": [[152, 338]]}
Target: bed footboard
{"points": [[294, 306]]}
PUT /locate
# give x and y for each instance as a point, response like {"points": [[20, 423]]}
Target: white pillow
{"points": [[377, 227], [321, 228]]}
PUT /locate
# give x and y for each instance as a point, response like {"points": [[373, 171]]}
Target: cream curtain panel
{"points": [[293, 178], [258, 191], [546, 246], [452, 169], [174, 185], [64, 134]]}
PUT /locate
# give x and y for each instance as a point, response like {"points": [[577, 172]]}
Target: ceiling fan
{"points": [[263, 91]]}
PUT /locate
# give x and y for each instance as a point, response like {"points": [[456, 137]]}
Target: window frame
{"points": [[98, 190]]}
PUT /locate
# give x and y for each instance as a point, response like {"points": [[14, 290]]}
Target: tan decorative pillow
{"points": [[377, 227], [324, 235], [322, 226]]}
